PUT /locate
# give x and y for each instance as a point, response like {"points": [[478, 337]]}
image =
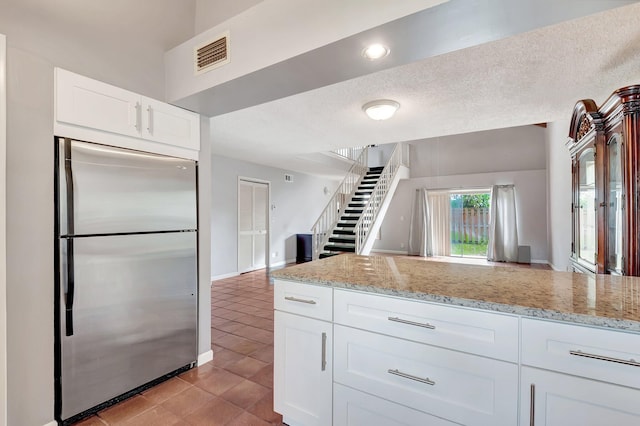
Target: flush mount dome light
{"points": [[381, 109], [375, 51]]}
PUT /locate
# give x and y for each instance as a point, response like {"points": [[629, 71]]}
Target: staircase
{"points": [[351, 220], [343, 237]]}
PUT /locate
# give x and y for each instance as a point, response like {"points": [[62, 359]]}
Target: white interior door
{"points": [[253, 225]]}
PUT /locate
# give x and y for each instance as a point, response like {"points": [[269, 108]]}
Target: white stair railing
{"points": [[399, 157], [329, 217], [351, 153]]}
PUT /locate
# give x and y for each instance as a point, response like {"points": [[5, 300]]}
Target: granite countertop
{"points": [[600, 300]]}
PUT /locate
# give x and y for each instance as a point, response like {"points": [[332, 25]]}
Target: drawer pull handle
{"points": [[324, 351], [630, 362], [409, 376], [532, 405], [417, 324], [295, 299]]}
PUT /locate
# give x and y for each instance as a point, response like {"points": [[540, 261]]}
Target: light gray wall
{"points": [[81, 37], [504, 156], [210, 13], [559, 194], [531, 207], [297, 206], [515, 148], [204, 239], [30, 239], [120, 42]]}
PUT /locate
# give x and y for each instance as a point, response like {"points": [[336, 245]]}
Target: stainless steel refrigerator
{"points": [[126, 287]]}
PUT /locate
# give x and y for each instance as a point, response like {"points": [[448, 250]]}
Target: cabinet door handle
{"points": [[426, 380], [324, 352], [149, 119], [532, 406], [417, 324], [295, 299], [136, 116], [631, 362]]}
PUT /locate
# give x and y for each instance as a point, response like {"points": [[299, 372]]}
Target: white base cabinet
{"points": [[390, 361], [302, 370], [561, 400]]}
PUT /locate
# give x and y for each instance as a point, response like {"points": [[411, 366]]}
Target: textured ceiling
{"points": [[529, 78]]}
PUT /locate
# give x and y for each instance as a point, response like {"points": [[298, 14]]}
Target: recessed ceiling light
{"points": [[375, 51], [381, 109]]}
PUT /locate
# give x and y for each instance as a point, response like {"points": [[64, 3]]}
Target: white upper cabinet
{"points": [[91, 110], [168, 124]]}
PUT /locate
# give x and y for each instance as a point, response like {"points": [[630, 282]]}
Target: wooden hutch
{"points": [[605, 151]]}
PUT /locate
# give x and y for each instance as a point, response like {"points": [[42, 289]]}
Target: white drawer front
{"points": [[488, 334], [355, 408], [582, 351], [462, 388], [303, 299]]}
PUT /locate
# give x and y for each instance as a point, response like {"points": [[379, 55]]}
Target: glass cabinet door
{"points": [[587, 207], [614, 195]]}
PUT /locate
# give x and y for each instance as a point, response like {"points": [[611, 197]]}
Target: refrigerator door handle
{"points": [[69, 290]]}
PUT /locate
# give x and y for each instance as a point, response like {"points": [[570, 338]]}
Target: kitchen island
{"points": [[389, 340]]}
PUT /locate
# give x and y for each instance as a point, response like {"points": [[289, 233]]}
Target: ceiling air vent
{"points": [[212, 54]]}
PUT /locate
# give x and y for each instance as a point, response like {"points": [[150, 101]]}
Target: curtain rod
{"points": [[460, 188]]}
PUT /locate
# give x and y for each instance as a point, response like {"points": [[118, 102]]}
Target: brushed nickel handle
{"points": [[417, 324], [426, 380], [295, 299], [324, 351], [532, 405], [150, 119], [136, 116], [631, 362]]}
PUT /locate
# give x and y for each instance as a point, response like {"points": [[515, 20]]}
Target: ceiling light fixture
{"points": [[375, 51], [381, 109]]}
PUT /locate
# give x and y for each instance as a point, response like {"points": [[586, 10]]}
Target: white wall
{"points": [[531, 207], [3, 228], [504, 156], [121, 42], [267, 33], [559, 194], [515, 148], [297, 206], [81, 37], [30, 239], [210, 13]]}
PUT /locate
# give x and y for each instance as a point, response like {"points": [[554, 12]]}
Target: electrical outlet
{"points": [[274, 254], [401, 245]]}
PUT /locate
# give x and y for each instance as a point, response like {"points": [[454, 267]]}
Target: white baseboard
{"points": [[223, 276], [401, 252], [276, 264], [555, 268], [205, 357], [51, 423], [539, 261]]}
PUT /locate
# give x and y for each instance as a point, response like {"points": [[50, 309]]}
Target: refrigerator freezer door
{"points": [[111, 190], [134, 314]]}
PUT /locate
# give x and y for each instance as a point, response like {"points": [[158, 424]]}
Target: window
{"points": [[469, 225]]}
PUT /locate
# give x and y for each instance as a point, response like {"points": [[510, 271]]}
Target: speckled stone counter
{"points": [[601, 300]]}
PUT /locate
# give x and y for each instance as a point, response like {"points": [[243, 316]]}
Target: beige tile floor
{"points": [[234, 389]]}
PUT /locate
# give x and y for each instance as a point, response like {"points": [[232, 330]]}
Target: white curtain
{"points": [[419, 228], [440, 208], [503, 230]]}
